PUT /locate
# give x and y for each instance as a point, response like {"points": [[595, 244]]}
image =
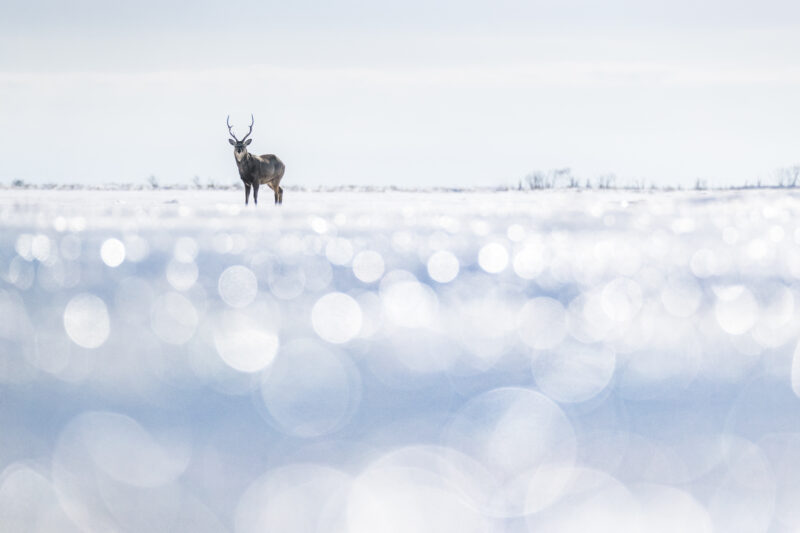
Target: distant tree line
{"points": [[152, 183], [560, 178], [563, 178]]}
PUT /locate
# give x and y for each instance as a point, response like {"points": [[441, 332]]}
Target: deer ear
{"points": [[231, 141], [248, 142]]}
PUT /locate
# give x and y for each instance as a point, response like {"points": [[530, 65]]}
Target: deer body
{"points": [[256, 170]]}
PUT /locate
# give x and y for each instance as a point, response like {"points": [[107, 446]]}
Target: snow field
{"points": [[362, 362]]}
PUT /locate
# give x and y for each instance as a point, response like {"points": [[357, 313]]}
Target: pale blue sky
{"points": [[411, 93]]}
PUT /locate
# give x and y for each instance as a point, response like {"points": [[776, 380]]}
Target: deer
{"points": [[256, 170]]}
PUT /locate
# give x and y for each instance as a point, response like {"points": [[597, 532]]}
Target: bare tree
{"points": [[606, 181], [789, 176]]}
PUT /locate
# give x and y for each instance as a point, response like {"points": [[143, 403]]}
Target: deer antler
{"points": [[252, 121], [230, 129]]}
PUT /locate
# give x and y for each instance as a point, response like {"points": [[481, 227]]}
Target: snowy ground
{"points": [[399, 362]]}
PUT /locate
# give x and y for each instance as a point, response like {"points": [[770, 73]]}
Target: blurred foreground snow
{"points": [[399, 362]]}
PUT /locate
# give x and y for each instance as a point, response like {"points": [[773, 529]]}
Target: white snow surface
{"points": [[399, 362]]}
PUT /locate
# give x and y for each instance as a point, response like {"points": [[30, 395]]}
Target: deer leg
{"points": [[277, 197], [255, 192], [280, 195], [246, 193]]}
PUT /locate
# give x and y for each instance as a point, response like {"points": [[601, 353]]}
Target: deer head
{"points": [[240, 146]]}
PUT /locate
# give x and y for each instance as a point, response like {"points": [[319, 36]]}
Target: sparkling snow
{"points": [[400, 362]]}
